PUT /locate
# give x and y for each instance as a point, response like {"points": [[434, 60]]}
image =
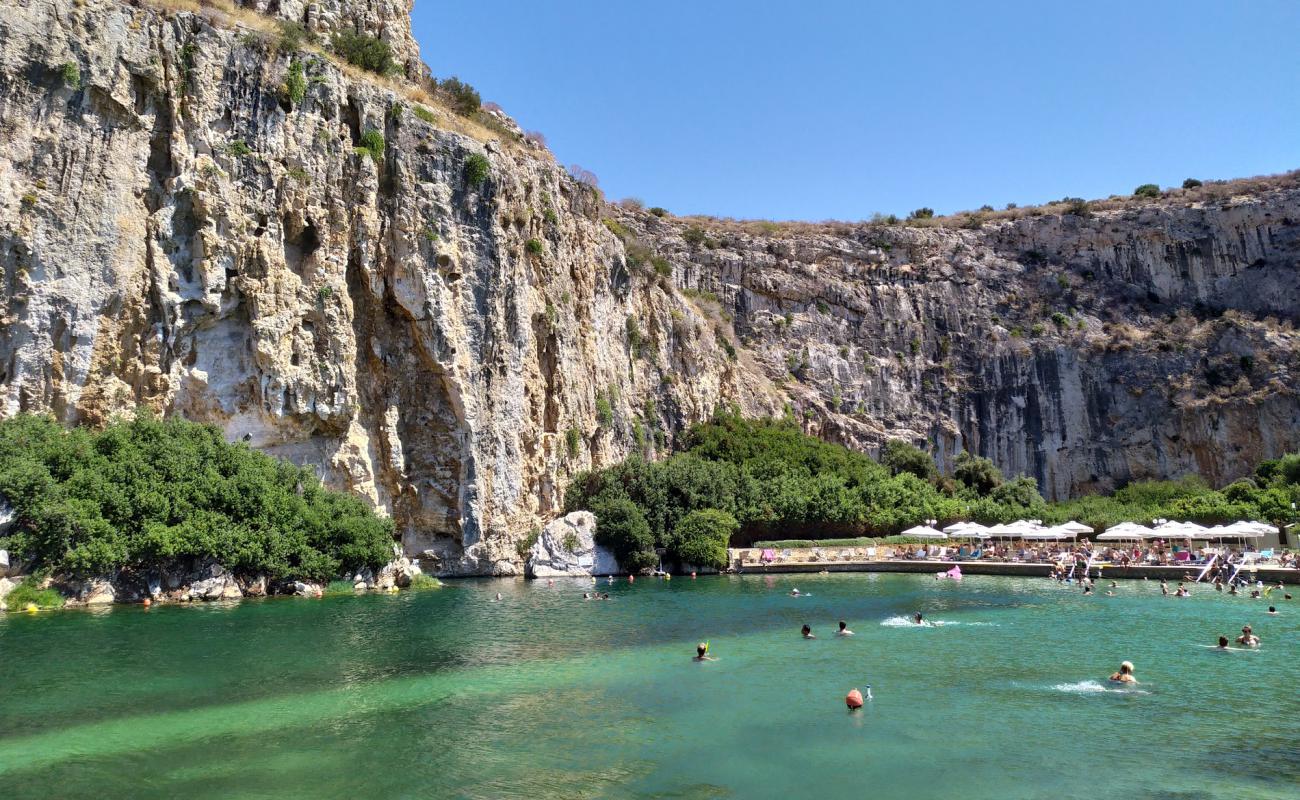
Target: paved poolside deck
{"points": [[1269, 575]]}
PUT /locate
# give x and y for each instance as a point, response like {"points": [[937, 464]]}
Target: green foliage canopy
{"points": [[148, 494]]}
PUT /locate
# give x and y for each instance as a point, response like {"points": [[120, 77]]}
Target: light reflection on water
{"points": [[446, 694]]}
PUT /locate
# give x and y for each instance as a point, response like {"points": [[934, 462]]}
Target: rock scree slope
{"points": [[319, 274]]}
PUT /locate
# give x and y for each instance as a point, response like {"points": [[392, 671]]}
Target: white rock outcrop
{"points": [[567, 547]]}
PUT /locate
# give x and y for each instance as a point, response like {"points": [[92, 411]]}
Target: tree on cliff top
{"points": [[149, 494]]}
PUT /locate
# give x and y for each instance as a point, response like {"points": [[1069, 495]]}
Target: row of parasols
{"points": [[1123, 532]]}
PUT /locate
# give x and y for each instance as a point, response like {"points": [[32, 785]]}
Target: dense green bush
{"points": [[295, 83], [372, 144], [899, 456], [364, 51], [922, 213], [622, 528], [702, 537], [1191, 183], [147, 494], [463, 97], [1147, 190], [476, 169]]}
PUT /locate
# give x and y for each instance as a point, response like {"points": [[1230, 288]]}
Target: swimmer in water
{"points": [[1247, 638], [1114, 585], [586, 596], [794, 592], [918, 619], [1087, 590], [498, 598], [1125, 674], [1182, 591], [807, 633], [1286, 596], [1272, 611], [1164, 588], [844, 630], [702, 653], [1223, 643]]}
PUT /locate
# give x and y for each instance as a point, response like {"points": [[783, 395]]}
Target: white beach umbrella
{"points": [[967, 530], [1075, 527], [1245, 530], [1125, 531], [925, 532], [1005, 529]]}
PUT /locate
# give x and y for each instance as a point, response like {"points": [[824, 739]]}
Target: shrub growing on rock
{"points": [[899, 456], [1191, 183], [367, 52], [476, 169], [622, 527], [1147, 190]]}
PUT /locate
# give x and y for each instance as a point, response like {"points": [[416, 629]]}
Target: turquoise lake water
{"points": [[448, 694]]}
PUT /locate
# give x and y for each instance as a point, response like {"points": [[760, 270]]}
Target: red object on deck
{"points": [[853, 699]]}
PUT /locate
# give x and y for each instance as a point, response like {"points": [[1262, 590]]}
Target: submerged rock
{"points": [[567, 547]]}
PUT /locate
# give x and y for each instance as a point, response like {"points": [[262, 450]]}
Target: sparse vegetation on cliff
{"points": [[147, 495], [367, 52]]}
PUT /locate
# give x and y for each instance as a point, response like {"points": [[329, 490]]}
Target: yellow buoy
{"points": [[30, 608]]}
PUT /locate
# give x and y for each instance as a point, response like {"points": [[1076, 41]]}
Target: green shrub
{"points": [[571, 542], [1191, 183], [572, 441], [30, 592], [622, 528], [661, 265], [701, 538], [976, 472], [534, 247], [367, 52], [239, 148], [298, 174], [424, 114], [1060, 319], [295, 83], [1077, 206], [477, 169], [525, 545], [372, 144], [157, 495], [463, 97], [292, 35], [658, 211], [922, 213], [71, 74], [898, 457], [336, 588], [604, 412], [694, 236], [421, 582], [1147, 190]]}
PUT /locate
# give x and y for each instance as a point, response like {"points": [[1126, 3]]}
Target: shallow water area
{"points": [[448, 693]]}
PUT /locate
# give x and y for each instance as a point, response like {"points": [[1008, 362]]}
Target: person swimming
{"points": [[1125, 674], [702, 653], [1223, 643], [586, 595], [1087, 590], [844, 630], [1182, 591], [918, 619], [795, 592], [807, 633], [1164, 588], [1272, 611], [1247, 638], [497, 599]]}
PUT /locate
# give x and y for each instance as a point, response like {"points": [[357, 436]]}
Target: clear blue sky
{"points": [[816, 110]]}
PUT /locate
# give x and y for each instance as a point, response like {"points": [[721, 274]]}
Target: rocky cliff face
{"points": [[1085, 351], [179, 230]]}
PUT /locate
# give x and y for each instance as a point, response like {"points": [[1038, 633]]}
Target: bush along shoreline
{"points": [[738, 481], [168, 511]]}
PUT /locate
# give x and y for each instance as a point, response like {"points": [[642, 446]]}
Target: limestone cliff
{"points": [[321, 273]]}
